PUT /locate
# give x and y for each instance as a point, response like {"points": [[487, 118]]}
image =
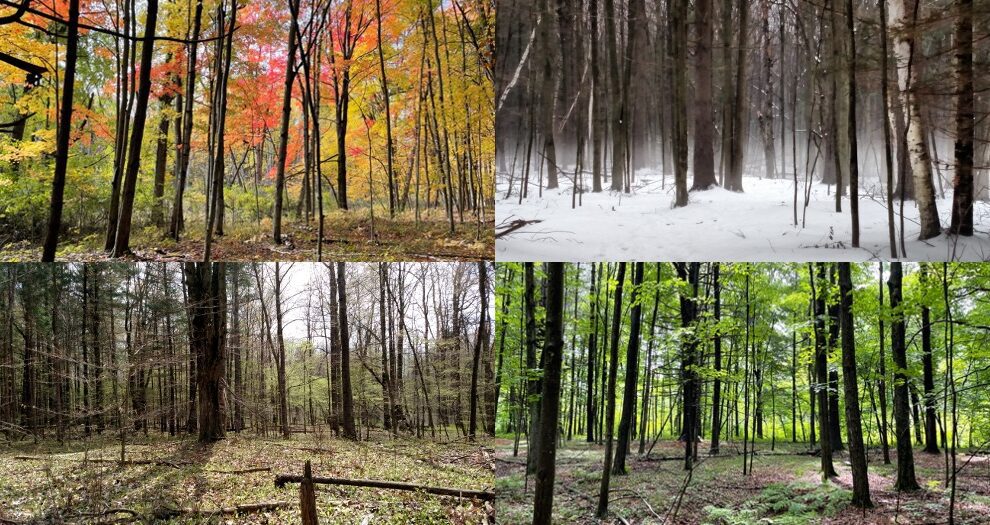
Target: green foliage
{"points": [[785, 504]]}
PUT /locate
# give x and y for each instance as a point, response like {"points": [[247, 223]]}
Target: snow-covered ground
{"points": [[756, 225]]}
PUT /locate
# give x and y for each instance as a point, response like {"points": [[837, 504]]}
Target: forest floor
{"points": [[717, 224], [63, 488], [346, 238], [784, 488]]}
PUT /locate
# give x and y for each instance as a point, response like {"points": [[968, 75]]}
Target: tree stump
{"points": [[307, 497]]}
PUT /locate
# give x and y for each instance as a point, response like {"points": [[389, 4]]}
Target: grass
{"points": [[65, 488]]}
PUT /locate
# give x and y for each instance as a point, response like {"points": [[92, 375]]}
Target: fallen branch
{"points": [[157, 462], [282, 479], [244, 471], [167, 513], [513, 226]]}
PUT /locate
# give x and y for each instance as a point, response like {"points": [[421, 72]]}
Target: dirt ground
{"points": [[784, 488], [345, 238], [192, 483]]}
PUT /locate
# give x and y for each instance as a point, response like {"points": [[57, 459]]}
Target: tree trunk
{"points": [[122, 238], [345, 362], [609, 398], [632, 375], [906, 480], [481, 344], [853, 158], [550, 401], [962, 182], [717, 384], [283, 137], [283, 395], [902, 22], [207, 294], [679, 41], [161, 159], [928, 377], [821, 372], [737, 135], [184, 148], [854, 430], [62, 138], [592, 355], [704, 149]]}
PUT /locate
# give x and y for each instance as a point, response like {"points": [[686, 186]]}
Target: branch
{"points": [[282, 479]]}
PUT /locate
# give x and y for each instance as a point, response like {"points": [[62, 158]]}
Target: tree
{"points": [[909, 76], [550, 399], [481, 343], [717, 363], [962, 182], [821, 371], [183, 145], [345, 348], [928, 373], [592, 359], [632, 375], [547, 99], [737, 134], [64, 130], [122, 238], [853, 159], [679, 43], [704, 150], [690, 274], [533, 387], [613, 363], [854, 428], [206, 285], [906, 480], [283, 138]]}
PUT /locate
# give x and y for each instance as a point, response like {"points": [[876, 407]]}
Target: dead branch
{"points": [[513, 226], [167, 513], [156, 462], [282, 479], [243, 471]]}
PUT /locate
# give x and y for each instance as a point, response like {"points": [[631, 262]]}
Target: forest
{"points": [[742, 393], [214, 392], [780, 131], [227, 130]]}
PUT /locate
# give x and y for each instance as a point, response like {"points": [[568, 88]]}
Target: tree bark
{"points": [[906, 480], [123, 236], [345, 362], [737, 135], [704, 149], [609, 398], [207, 293], [552, 357], [283, 137], [902, 22], [854, 429], [630, 390], [962, 181], [62, 138]]}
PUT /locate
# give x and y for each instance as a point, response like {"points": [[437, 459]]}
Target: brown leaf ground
{"points": [[64, 488], [346, 238], [647, 494]]}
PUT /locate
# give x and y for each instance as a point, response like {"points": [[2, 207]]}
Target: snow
{"points": [[756, 225]]}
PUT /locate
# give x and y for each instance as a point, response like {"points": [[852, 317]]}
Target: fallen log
{"points": [[169, 512], [156, 462], [282, 479], [244, 471]]}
